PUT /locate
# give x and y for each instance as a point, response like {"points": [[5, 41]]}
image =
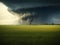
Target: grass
{"points": [[29, 35]]}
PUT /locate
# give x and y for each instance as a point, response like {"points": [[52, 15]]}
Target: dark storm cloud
{"points": [[43, 8], [43, 14]]}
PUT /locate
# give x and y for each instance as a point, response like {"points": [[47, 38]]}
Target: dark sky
{"points": [[18, 4], [41, 1], [30, 3], [14, 4]]}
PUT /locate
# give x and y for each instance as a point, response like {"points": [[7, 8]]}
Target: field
{"points": [[30, 35]]}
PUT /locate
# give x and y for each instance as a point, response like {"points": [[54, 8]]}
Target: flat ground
{"points": [[30, 35]]}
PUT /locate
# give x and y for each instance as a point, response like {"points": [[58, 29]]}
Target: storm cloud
{"points": [[35, 11], [40, 15]]}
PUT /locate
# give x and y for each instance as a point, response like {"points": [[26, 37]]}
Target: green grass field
{"points": [[30, 35]]}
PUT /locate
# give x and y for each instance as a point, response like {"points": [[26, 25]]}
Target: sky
{"points": [[49, 15], [14, 4]]}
